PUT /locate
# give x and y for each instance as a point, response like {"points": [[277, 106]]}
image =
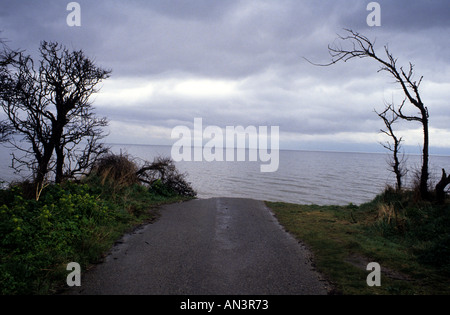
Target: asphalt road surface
{"points": [[219, 246]]}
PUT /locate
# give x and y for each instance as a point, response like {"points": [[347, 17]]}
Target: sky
{"points": [[244, 63]]}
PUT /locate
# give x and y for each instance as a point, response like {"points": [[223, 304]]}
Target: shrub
{"points": [[163, 177], [121, 170], [421, 225], [38, 237], [76, 221]]}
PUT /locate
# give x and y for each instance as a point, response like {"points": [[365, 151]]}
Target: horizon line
{"points": [[284, 149]]}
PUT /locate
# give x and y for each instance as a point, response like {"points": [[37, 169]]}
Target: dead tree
{"points": [[361, 47], [396, 162], [48, 106], [440, 187]]}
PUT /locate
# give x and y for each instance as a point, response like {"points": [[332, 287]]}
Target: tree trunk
{"points": [[440, 187], [42, 169], [59, 165], [57, 133], [397, 171], [424, 174]]}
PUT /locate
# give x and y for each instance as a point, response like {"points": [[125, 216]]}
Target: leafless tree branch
{"points": [[355, 45]]}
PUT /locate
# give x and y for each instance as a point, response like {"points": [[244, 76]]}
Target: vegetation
{"points": [[357, 46], [71, 222], [407, 232], [410, 239], [396, 163], [61, 215], [49, 118]]}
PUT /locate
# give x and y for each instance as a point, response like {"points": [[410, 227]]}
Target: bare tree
{"points": [[389, 118], [48, 106], [440, 187], [361, 47]]}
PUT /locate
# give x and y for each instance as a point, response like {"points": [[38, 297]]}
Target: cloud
{"points": [[411, 16], [241, 62]]}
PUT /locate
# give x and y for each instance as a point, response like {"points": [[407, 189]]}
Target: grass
{"points": [[410, 242]]}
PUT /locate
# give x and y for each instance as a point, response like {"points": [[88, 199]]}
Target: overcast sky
{"points": [[241, 62]]}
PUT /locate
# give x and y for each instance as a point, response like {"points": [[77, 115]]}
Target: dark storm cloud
{"points": [[253, 49], [214, 38]]}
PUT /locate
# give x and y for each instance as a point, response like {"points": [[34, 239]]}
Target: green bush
{"points": [[71, 222], [159, 188], [39, 237]]}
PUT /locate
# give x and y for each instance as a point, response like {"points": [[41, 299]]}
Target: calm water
{"points": [[303, 177]]}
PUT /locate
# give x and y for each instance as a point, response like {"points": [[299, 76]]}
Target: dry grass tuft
{"points": [[386, 212], [121, 170]]}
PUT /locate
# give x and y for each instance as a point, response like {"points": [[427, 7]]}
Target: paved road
{"points": [[218, 246]]}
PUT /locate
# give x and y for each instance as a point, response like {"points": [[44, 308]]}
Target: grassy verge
{"points": [[73, 222], [409, 240]]}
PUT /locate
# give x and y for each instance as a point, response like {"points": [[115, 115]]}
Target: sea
{"points": [[303, 177]]}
